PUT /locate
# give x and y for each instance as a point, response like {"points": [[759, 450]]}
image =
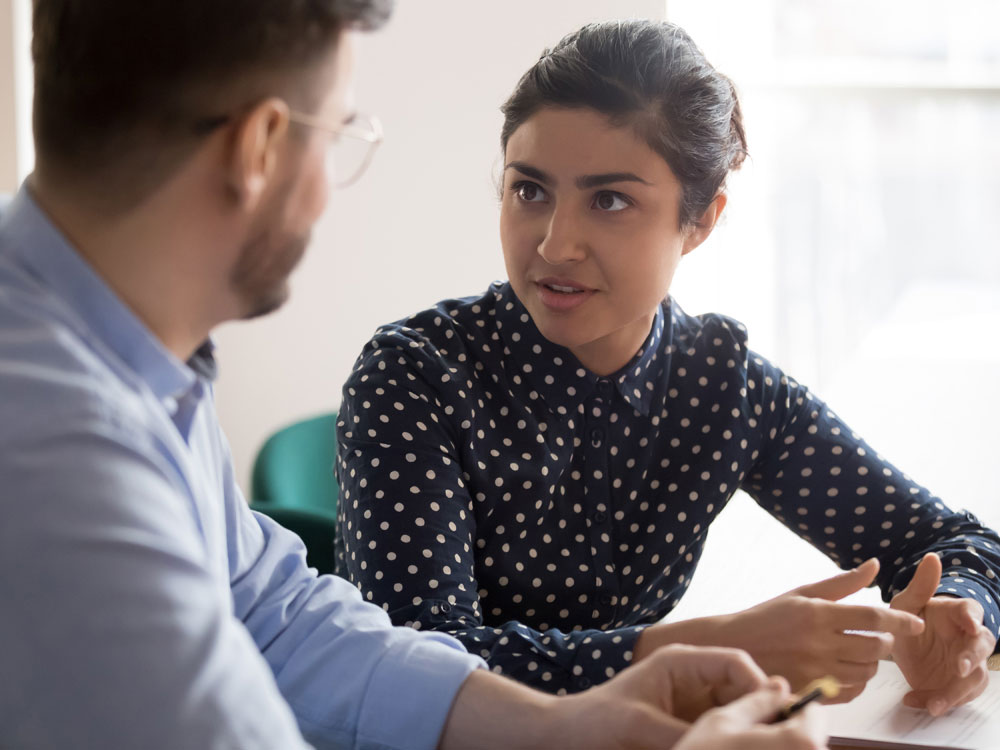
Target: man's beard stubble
{"points": [[260, 276]]}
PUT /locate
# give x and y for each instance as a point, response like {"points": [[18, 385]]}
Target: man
{"points": [[180, 166]]}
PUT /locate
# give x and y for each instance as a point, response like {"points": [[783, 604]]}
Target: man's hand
{"points": [[648, 705], [652, 704], [739, 726], [801, 635], [685, 681], [946, 663]]}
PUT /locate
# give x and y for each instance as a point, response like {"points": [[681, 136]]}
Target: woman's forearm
{"points": [[698, 631]]}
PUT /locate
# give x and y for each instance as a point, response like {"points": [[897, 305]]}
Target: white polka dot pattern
{"points": [[494, 489]]}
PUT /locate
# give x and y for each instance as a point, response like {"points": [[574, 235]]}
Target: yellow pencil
{"points": [[824, 687]]}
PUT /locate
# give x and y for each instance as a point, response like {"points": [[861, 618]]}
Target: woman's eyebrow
{"points": [[597, 180], [529, 171], [584, 182]]}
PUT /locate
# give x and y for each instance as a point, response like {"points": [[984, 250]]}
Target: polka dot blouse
{"points": [[494, 489]]}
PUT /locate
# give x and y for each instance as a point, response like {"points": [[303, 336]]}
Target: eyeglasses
{"points": [[351, 149], [352, 145]]}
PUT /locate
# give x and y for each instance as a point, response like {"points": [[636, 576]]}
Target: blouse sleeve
{"points": [[819, 478], [408, 522]]}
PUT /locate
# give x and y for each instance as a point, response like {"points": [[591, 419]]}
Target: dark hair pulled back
{"points": [[650, 75]]}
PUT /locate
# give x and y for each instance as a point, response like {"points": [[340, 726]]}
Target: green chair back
{"points": [[293, 483], [294, 467]]}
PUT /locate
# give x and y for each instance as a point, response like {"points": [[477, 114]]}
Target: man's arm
{"points": [[351, 678], [116, 634], [144, 606], [650, 705]]}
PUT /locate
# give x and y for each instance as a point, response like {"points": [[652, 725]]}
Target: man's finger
{"points": [[744, 719], [727, 672], [841, 585], [921, 587], [652, 728], [757, 707]]}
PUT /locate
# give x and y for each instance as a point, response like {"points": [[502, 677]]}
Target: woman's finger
{"points": [[843, 584], [967, 614], [850, 674], [863, 648], [954, 694], [848, 693], [875, 620], [921, 587]]}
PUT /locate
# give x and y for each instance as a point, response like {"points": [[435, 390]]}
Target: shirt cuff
{"points": [[411, 692], [962, 587], [601, 656]]}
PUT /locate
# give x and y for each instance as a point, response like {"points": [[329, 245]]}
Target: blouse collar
{"points": [[553, 373]]}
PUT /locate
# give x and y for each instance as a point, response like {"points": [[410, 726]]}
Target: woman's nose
{"points": [[563, 241]]}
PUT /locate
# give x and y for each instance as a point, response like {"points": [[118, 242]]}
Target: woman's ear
{"points": [[705, 224], [258, 138]]}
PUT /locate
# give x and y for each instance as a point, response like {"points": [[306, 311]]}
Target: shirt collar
{"points": [[38, 245], [554, 374]]}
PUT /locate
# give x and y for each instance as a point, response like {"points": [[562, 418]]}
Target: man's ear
{"points": [[706, 223], [258, 138]]}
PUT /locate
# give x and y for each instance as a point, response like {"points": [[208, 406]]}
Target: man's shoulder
{"points": [[50, 374]]}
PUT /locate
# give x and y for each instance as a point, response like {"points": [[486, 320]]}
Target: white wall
{"points": [[420, 226], [16, 147], [8, 125]]}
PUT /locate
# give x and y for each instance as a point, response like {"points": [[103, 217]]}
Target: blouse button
{"points": [[599, 516], [445, 607], [606, 599], [596, 437], [583, 683], [604, 386]]}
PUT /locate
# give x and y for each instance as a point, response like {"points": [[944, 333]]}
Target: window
{"points": [[861, 244]]}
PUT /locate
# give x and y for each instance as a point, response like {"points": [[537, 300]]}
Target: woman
{"points": [[535, 470]]}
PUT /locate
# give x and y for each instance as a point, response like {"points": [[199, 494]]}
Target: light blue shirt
{"points": [[142, 604]]}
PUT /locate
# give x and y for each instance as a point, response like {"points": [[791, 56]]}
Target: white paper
{"points": [[879, 715]]}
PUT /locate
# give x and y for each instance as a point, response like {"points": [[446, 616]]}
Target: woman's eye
{"points": [[529, 192], [610, 201]]}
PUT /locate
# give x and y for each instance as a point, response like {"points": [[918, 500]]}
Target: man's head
{"points": [[124, 89], [131, 97]]}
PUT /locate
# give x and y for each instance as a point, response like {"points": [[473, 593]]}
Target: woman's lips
{"points": [[561, 295]]}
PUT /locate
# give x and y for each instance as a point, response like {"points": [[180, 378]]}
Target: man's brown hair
{"points": [[121, 86]]}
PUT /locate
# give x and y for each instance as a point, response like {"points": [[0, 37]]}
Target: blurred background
{"points": [[860, 244]]}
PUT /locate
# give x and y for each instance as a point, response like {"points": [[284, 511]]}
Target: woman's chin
{"points": [[565, 336]]}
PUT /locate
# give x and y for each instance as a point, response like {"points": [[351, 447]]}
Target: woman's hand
{"points": [[802, 635], [739, 725], [946, 663], [807, 633]]}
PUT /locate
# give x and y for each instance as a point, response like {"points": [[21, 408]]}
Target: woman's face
{"points": [[590, 234]]}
